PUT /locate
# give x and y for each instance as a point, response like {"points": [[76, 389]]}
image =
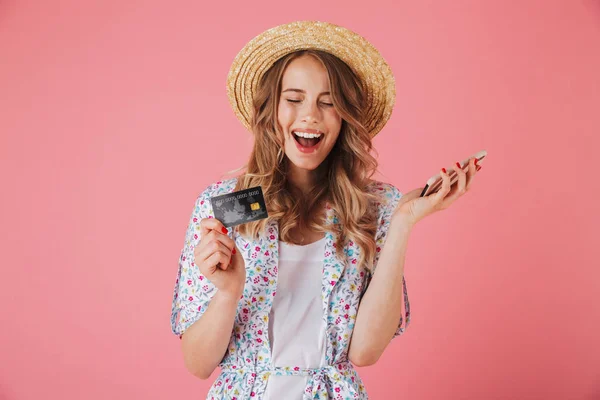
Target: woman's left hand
{"points": [[414, 208]]}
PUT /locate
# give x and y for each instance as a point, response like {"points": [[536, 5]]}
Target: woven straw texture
{"points": [[264, 50]]}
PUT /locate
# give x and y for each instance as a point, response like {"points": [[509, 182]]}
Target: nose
{"points": [[311, 113]]}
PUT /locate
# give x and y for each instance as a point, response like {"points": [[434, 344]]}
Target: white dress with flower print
{"points": [[250, 360]]}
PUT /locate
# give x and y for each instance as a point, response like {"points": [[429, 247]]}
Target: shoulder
{"points": [[388, 195], [219, 187]]}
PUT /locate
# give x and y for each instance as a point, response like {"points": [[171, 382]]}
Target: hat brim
{"points": [[362, 57]]}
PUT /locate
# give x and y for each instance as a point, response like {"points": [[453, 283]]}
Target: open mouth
{"points": [[307, 142]]}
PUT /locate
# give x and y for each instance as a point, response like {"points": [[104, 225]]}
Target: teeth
{"points": [[307, 135]]}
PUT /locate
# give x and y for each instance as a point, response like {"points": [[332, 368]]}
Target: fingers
{"points": [[458, 182], [213, 228], [216, 260], [462, 178], [230, 256], [472, 170], [213, 242], [445, 189], [209, 224], [448, 190]]}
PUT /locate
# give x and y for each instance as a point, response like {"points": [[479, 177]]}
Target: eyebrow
{"points": [[300, 91]]}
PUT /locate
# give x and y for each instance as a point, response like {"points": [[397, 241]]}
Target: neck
{"points": [[303, 179]]}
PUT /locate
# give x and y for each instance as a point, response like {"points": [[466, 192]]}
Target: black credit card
{"points": [[239, 207]]}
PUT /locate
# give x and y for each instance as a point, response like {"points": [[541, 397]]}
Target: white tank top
{"points": [[296, 328]]}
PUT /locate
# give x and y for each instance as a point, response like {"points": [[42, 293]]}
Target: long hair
{"points": [[342, 177]]}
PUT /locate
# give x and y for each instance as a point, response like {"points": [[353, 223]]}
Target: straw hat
{"points": [[260, 54]]}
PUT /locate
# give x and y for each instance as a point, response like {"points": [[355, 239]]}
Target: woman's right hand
{"points": [[219, 260]]}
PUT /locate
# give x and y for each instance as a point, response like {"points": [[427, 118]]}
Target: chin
{"points": [[305, 165]]}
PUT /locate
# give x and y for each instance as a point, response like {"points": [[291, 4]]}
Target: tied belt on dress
{"points": [[320, 384]]}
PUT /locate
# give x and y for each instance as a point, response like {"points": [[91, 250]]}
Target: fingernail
{"points": [[457, 164], [233, 251], [224, 230], [444, 169], [478, 167], [476, 161]]}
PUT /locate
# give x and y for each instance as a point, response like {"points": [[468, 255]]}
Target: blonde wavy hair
{"points": [[342, 177]]}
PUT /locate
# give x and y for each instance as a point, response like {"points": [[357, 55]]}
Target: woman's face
{"points": [[305, 106]]}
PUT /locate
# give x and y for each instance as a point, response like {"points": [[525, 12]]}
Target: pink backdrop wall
{"points": [[114, 115]]}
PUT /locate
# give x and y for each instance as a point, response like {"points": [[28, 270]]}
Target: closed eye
{"points": [[298, 101]]}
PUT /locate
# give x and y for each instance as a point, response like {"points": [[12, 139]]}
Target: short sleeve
{"points": [[193, 291], [390, 198]]}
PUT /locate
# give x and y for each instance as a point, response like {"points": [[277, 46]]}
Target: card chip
{"points": [[255, 206]]}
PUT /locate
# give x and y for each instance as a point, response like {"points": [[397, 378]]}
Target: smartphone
{"points": [[434, 183]]}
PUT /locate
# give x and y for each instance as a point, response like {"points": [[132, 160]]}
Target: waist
{"points": [[295, 370]]}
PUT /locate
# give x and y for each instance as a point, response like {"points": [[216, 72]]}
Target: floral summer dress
{"points": [[248, 361]]}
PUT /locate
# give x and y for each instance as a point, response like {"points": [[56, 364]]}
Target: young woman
{"points": [[286, 305]]}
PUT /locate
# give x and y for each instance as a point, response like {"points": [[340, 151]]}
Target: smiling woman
{"points": [[279, 320], [307, 115]]}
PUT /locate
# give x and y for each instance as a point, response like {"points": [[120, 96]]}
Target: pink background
{"points": [[114, 116]]}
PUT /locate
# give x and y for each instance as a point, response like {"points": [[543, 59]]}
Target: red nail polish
{"points": [[476, 161], [457, 164], [478, 167], [233, 251], [444, 169], [224, 230]]}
